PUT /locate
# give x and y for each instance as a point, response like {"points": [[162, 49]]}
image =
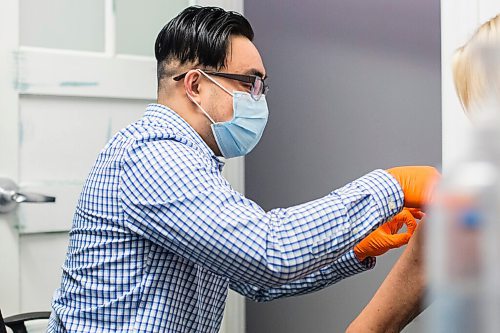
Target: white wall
{"points": [[459, 20]]}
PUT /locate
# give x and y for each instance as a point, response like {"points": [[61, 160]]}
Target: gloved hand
{"points": [[417, 182], [386, 236], [416, 213]]}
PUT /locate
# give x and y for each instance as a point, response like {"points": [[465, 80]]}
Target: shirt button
{"points": [[392, 205], [356, 230]]}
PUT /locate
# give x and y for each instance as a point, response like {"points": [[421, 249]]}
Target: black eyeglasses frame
{"points": [[249, 79]]}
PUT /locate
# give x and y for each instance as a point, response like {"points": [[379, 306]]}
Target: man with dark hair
{"points": [[159, 235]]}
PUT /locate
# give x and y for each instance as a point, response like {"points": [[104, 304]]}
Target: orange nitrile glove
{"points": [[417, 182], [386, 236], [416, 213]]}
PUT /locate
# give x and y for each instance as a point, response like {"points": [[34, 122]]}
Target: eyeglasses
{"points": [[258, 86]]}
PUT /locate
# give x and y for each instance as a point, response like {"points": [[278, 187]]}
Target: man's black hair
{"points": [[199, 35]]}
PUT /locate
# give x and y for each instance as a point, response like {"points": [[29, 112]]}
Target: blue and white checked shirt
{"points": [[159, 235]]}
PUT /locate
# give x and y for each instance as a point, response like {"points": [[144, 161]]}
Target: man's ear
{"points": [[192, 85]]}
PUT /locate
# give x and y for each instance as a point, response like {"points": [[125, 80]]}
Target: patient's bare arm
{"points": [[400, 298]]}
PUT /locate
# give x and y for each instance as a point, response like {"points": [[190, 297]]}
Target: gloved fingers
{"points": [[359, 252], [399, 240], [417, 213], [404, 217], [380, 241], [388, 227], [369, 245], [397, 222], [408, 218], [411, 226], [393, 226]]}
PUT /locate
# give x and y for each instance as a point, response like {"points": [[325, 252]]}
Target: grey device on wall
{"points": [[355, 86]]}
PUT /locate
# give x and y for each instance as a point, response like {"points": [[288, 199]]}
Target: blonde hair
{"points": [[469, 68]]}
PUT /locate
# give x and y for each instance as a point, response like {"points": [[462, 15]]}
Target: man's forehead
{"points": [[243, 57]]}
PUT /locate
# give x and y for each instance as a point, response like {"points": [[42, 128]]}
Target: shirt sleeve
{"points": [[176, 197], [348, 265]]}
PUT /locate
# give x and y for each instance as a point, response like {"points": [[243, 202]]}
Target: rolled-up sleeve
{"points": [[177, 198]]}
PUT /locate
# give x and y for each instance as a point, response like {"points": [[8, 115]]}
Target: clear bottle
{"points": [[457, 228], [463, 234]]}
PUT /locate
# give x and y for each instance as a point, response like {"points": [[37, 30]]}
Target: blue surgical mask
{"points": [[238, 136]]}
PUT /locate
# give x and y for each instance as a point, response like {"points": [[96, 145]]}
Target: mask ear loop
{"points": [[218, 84], [199, 106]]}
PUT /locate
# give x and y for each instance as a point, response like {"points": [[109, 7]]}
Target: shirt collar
{"points": [[177, 123]]}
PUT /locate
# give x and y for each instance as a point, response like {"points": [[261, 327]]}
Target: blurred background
{"points": [[355, 86]]}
